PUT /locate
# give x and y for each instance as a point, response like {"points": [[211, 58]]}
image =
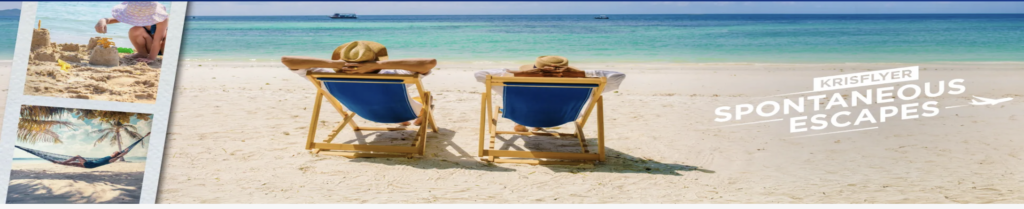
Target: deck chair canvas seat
{"points": [[542, 102], [374, 97]]}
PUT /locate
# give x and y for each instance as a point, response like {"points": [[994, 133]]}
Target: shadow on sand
{"points": [[442, 153], [32, 187], [616, 161]]}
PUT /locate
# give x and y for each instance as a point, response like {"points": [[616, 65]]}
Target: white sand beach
{"points": [[51, 183], [237, 133]]}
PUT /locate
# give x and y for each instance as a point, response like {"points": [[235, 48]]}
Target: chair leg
{"points": [[423, 151], [312, 121], [493, 130], [352, 123], [341, 109], [583, 139], [430, 117], [493, 127], [600, 129], [421, 138], [337, 130], [494, 135], [483, 121]]}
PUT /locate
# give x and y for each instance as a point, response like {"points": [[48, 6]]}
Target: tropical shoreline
{"points": [[664, 146], [766, 38]]}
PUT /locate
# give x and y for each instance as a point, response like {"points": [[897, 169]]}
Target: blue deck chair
{"points": [[543, 102], [374, 97]]}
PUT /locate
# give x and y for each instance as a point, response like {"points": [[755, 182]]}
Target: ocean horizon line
{"points": [[263, 61], [617, 14]]}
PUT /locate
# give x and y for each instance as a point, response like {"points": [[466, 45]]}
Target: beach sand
{"points": [[238, 130], [51, 183], [89, 78]]}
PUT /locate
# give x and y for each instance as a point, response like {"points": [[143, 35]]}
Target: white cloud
{"points": [[144, 126]]}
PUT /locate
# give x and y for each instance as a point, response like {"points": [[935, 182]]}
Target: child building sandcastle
{"points": [[95, 71]]}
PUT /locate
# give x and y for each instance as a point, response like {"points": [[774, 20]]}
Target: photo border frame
{"points": [[160, 110]]}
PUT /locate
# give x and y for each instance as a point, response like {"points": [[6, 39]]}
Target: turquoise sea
{"points": [[623, 38], [8, 36], [74, 22]]}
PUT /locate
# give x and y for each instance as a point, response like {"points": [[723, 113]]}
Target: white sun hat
{"points": [[139, 13]]}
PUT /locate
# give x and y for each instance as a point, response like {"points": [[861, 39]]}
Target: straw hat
{"points": [[360, 51], [139, 13], [544, 61]]}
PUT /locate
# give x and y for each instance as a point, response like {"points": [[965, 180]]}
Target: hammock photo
{"points": [[69, 156], [88, 162]]}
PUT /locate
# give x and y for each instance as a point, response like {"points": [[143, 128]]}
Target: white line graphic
{"points": [[955, 106], [802, 92], [755, 122], [868, 128]]}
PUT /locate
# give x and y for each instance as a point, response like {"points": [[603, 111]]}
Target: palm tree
{"points": [[37, 123], [113, 132]]}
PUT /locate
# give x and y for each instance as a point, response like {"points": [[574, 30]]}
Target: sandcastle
{"points": [[40, 39], [93, 71], [103, 52], [100, 51]]}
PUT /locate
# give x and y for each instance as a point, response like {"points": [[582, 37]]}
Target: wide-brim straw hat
{"points": [[139, 13], [544, 61], [360, 51]]}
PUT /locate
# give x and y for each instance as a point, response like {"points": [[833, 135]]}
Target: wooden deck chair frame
{"points": [[356, 150], [488, 126]]}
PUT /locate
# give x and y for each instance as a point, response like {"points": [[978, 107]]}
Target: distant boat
{"points": [[343, 16], [601, 17]]}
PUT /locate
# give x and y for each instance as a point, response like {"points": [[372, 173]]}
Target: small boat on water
{"points": [[343, 16], [601, 17]]}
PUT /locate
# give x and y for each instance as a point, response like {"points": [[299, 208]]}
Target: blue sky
{"points": [[10, 5], [429, 8], [80, 141]]}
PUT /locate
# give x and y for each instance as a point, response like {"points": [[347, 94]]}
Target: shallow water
{"points": [[638, 38], [74, 22], [8, 36]]}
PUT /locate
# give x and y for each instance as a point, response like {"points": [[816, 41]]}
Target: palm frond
{"points": [[36, 130], [101, 131], [32, 137], [102, 138], [130, 127], [37, 124], [44, 113], [134, 135]]}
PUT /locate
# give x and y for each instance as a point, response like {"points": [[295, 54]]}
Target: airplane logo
{"points": [[987, 101]]}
